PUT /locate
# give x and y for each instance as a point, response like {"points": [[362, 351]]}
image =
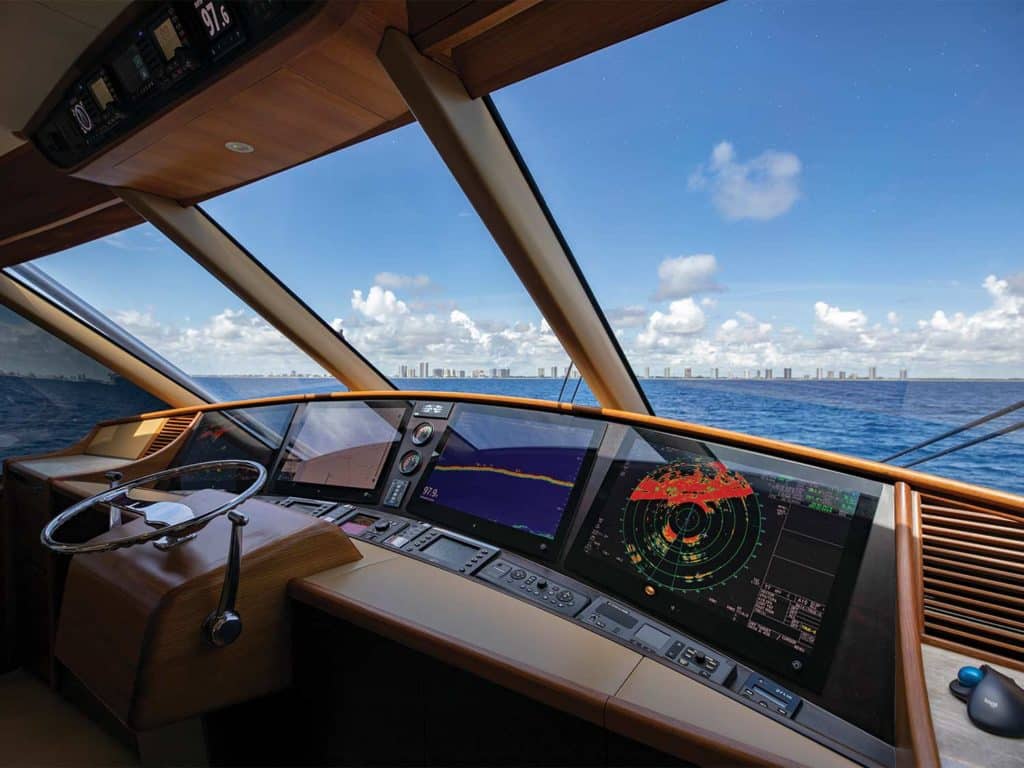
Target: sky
{"points": [[803, 185]]}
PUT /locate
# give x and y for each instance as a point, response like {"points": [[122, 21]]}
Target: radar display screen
{"points": [[339, 449], [757, 554], [512, 477]]}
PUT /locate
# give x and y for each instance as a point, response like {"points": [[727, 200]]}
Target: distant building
{"points": [[424, 370], [903, 374], [787, 373], [668, 372], [831, 375], [540, 373], [768, 373], [687, 373], [647, 371], [716, 373], [462, 373], [404, 371], [817, 373], [842, 374], [438, 373], [872, 372], [504, 373]]}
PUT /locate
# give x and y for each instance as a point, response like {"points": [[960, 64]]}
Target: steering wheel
{"points": [[172, 522]]}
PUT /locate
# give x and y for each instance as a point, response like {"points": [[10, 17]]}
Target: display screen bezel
{"points": [[704, 622], [496, 533], [337, 492]]}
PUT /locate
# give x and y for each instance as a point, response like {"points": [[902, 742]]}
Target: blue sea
{"points": [[871, 419]]}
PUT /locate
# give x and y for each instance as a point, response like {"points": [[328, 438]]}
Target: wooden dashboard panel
{"points": [[519, 646]]}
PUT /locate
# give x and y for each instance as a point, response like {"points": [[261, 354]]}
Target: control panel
{"points": [[173, 50], [535, 586]]}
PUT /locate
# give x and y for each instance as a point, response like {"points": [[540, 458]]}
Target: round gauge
{"points": [[422, 434], [409, 462]]}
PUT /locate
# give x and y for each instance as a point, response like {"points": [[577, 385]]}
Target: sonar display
{"points": [[514, 472], [691, 524]]}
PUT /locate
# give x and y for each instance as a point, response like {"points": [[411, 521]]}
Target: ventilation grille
{"points": [[169, 433], [973, 569]]}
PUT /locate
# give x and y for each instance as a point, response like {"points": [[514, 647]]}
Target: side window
{"points": [[51, 394]]}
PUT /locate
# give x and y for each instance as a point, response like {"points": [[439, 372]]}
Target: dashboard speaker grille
{"points": [[972, 562], [169, 433]]}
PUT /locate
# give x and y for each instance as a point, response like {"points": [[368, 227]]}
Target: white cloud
{"points": [[762, 188], [686, 275], [379, 304], [834, 318], [396, 281], [989, 342], [663, 330]]}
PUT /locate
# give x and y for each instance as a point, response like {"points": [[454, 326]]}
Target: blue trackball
{"points": [[969, 676]]}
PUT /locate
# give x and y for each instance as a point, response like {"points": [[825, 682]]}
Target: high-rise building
{"points": [[831, 374], [687, 373], [768, 373], [716, 373], [540, 373], [787, 373], [872, 372], [903, 374], [438, 373], [403, 371], [817, 373], [424, 370], [504, 373], [842, 374], [462, 373]]}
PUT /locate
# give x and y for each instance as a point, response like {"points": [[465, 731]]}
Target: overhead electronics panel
{"points": [[510, 477], [340, 449], [177, 48], [759, 554]]}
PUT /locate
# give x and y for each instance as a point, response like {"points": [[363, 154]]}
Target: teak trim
{"points": [[915, 734]]}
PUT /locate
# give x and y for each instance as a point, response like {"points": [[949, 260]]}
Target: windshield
{"points": [[804, 225], [150, 288], [381, 242]]}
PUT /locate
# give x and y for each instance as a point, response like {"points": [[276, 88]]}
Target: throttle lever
{"points": [[223, 626]]}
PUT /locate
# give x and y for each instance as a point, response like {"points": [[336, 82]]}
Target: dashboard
{"points": [[752, 574]]}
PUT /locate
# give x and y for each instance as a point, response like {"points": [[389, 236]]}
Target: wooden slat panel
{"points": [[973, 568], [953, 557], [998, 569]]}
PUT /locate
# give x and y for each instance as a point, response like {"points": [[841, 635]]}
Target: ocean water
{"points": [[871, 419]]}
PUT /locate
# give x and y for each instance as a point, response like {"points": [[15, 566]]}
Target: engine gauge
{"points": [[422, 434], [409, 462]]}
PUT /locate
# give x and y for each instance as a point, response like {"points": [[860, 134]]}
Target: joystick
{"points": [[995, 703]]}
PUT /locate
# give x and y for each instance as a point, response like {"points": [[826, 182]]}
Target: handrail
{"points": [[969, 443], [963, 428]]}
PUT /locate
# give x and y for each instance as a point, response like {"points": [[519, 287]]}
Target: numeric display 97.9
{"points": [[216, 17]]}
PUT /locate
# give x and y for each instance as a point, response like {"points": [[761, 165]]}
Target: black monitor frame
{"points": [[500, 535], [281, 487], [703, 622]]}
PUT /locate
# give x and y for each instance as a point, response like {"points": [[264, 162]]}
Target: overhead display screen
{"points": [[757, 554], [340, 445], [513, 477]]}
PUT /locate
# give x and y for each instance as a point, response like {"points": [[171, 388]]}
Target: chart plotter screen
{"points": [[761, 558], [513, 476]]}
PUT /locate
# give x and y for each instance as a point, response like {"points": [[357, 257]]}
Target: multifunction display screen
{"points": [[341, 445], [511, 475], [758, 554]]}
